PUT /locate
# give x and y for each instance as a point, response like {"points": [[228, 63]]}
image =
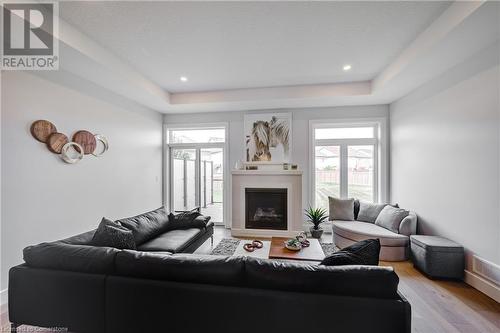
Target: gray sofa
{"points": [[394, 246]]}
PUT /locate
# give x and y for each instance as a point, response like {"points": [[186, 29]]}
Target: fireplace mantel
{"points": [[267, 172], [280, 179]]}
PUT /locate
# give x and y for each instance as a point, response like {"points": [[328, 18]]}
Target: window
{"points": [[199, 135], [196, 163], [344, 133], [345, 161]]}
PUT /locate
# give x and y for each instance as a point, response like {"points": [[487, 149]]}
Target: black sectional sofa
{"points": [[70, 284]]}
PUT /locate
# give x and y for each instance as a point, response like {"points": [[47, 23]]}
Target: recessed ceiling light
{"points": [[347, 67], [183, 79]]}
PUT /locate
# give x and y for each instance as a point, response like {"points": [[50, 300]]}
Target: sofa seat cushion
{"points": [[172, 241], [358, 231], [192, 268]]}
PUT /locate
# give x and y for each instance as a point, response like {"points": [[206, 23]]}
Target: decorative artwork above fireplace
{"points": [[268, 137], [266, 208]]}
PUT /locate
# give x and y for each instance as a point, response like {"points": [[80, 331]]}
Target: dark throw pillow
{"points": [[341, 258], [112, 234], [356, 208], [189, 219], [365, 252]]}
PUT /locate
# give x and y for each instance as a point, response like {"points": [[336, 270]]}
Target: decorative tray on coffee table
{"points": [[313, 252]]}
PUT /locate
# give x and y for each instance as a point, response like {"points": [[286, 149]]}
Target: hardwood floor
{"points": [[437, 306]]}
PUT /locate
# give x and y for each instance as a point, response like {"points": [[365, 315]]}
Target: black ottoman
{"points": [[437, 257]]}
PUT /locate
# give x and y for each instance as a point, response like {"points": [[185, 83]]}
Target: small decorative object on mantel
{"points": [[294, 167], [238, 165], [316, 216], [252, 167], [84, 142]]}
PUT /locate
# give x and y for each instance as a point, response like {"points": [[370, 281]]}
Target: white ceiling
{"points": [[232, 45], [269, 55]]}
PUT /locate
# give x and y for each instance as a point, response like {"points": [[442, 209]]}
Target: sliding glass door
{"points": [[212, 182], [196, 170], [183, 180]]}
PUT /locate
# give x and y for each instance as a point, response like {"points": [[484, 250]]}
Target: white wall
{"points": [[300, 130], [445, 155], [43, 198]]}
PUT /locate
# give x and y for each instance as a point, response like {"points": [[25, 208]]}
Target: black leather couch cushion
{"points": [[148, 225], [187, 268], [71, 257], [363, 281], [80, 239], [172, 241]]}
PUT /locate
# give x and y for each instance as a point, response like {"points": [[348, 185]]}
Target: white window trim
{"points": [[381, 182], [224, 145]]}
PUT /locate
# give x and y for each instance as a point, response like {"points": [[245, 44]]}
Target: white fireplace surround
{"points": [[290, 180]]}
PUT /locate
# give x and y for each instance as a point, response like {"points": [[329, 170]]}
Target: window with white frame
{"points": [[345, 161], [196, 168]]}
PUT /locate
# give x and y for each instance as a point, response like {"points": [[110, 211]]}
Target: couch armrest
{"points": [[409, 225]]}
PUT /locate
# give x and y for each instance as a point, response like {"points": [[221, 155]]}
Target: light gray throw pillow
{"points": [[390, 218], [341, 209], [368, 212]]}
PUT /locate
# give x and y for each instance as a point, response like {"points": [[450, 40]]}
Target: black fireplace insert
{"points": [[266, 208]]}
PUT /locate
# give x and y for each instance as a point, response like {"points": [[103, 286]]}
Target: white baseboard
{"points": [[3, 296], [483, 285]]}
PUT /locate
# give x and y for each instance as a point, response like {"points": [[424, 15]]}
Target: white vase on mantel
{"points": [[238, 165]]}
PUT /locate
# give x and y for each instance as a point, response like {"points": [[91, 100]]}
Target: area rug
{"points": [[227, 246]]}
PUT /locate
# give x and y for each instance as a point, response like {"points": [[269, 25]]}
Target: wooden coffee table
{"points": [[312, 253]]}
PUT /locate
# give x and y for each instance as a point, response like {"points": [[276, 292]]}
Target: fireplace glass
{"points": [[266, 208]]}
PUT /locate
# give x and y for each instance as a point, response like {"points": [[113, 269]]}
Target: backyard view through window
{"points": [[344, 163], [327, 174], [197, 170]]}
